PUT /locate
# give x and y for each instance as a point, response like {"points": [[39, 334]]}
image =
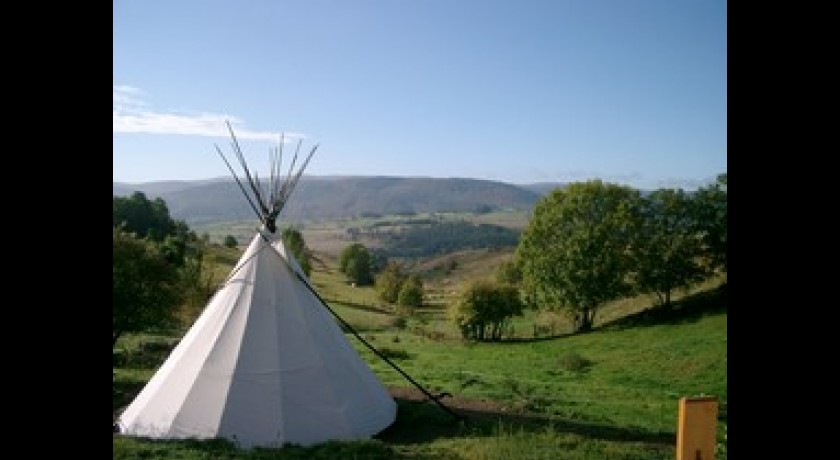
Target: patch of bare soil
{"points": [[421, 420], [459, 404]]}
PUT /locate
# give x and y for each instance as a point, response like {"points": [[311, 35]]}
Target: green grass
{"points": [[421, 432], [635, 378], [609, 394], [129, 448]]}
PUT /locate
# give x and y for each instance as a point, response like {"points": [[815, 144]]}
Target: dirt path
{"points": [[424, 421]]}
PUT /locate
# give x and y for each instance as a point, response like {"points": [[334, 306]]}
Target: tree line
{"points": [[428, 237]]}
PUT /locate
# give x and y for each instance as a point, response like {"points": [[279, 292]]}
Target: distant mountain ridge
{"points": [[333, 197], [156, 188]]}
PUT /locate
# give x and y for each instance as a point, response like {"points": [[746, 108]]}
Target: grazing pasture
{"points": [[544, 393]]}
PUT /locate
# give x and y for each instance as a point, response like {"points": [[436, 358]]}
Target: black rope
{"points": [[435, 399]]}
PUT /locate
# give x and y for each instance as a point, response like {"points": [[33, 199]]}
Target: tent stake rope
{"points": [[435, 399]]}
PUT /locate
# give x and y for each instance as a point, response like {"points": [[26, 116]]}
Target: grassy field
{"points": [[609, 394]]}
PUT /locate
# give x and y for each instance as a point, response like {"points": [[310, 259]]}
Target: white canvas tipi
{"points": [[265, 364]]}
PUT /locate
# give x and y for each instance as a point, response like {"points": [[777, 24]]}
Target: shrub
{"points": [[399, 322], [230, 241], [573, 362], [393, 353]]}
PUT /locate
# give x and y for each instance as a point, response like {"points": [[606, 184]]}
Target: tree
{"points": [[174, 249], [484, 308], [378, 260], [136, 214], [146, 286], [294, 241], [711, 223], [509, 272], [389, 282], [230, 241], [355, 262], [575, 252], [411, 292], [667, 251]]}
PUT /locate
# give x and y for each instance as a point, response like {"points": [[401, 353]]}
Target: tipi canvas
{"points": [[265, 364]]}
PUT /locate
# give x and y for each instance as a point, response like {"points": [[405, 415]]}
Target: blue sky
{"points": [[521, 91]]}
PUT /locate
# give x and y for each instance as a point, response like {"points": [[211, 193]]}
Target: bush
{"points": [[411, 292], [393, 353], [118, 358], [147, 355], [483, 310], [573, 362], [399, 322]]}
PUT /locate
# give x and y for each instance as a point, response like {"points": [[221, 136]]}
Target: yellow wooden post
{"points": [[697, 428]]}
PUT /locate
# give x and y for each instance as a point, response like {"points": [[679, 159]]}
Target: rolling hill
{"points": [[335, 197]]}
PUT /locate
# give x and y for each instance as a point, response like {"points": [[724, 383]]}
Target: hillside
{"points": [[159, 187], [609, 394], [324, 198]]}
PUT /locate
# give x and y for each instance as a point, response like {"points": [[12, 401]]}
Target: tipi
{"points": [[265, 364]]}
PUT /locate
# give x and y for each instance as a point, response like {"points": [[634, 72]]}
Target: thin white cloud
{"points": [[131, 115], [125, 98]]}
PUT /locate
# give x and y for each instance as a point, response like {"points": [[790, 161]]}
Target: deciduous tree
{"points": [[509, 272], [484, 308], [294, 241], [576, 250], [389, 282], [411, 292], [146, 286], [667, 250], [137, 214], [355, 262], [711, 222]]}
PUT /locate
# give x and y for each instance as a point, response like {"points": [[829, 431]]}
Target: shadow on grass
{"points": [[541, 338], [361, 306], [688, 309], [418, 422], [421, 422]]}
